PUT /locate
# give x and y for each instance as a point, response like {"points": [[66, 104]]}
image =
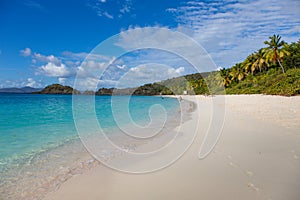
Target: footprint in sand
{"points": [[233, 165], [249, 173], [295, 156], [252, 186]]}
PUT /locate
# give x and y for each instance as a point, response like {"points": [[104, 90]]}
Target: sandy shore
{"points": [[256, 157]]}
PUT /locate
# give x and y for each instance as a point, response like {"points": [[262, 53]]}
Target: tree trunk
{"points": [[281, 66]]}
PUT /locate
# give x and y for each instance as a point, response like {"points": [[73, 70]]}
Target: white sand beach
{"points": [[256, 157]]}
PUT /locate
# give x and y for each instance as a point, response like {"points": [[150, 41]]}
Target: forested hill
{"points": [[58, 89], [273, 69]]}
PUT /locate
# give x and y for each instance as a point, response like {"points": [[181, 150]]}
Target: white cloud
{"points": [[26, 52], [64, 68], [53, 70], [90, 68], [219, 68], [61, 80], [230, 30], [179, 70], [106, 14], [164, 39], [80, 56], [49, 59], [88, 83], [121, 66], [31, 82], [89, 72], [148, 73], [105, 8], [72, 55]]}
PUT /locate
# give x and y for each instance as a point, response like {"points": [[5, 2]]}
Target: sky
{"points": [[44, 42]]}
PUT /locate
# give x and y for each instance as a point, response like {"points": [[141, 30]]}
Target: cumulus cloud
{"points": [[90, 68], [49, 59], [148, 73], [89, 74], [31, 82], [26, 52], [66, 67], [88, 83], [163, 39], [61, 80], [53, 66], [53, 70]]}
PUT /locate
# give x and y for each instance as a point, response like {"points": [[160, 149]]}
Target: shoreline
{"points": [[78, 161], [258, 158]]}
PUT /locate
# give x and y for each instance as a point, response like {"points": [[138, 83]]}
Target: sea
{"points": [[40, 147]]}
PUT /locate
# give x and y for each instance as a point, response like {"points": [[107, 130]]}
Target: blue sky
{"points": [[44, 42]]}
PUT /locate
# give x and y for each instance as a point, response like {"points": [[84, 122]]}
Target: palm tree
{"points": [[247, 64], [237, 72], [260, 61], [225, 77], [274, 51]]}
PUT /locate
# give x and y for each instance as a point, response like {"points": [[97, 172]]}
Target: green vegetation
{"points": [[260, 72], [273, 82], [58, 89], [274, 70]]}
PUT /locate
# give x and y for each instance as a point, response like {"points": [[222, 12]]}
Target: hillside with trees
{"points": [[274, 69], [58, 89]]}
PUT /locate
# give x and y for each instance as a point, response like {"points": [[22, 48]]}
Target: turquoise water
{"points": [[31, 125]]}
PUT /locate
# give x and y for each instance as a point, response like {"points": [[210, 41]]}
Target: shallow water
{"points": [[39, 144]]}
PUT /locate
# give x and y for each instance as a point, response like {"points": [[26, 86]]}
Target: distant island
{"points": [[58, 89], [26, 89], [273, 70]]}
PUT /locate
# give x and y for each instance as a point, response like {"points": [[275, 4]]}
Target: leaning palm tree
{"points": [[274, 52]]}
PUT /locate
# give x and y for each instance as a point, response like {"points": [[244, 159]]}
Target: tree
{"points": [[274, 52], [226, 78], [247, 64], [237, 72], [293, 60], [260, 62]]}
